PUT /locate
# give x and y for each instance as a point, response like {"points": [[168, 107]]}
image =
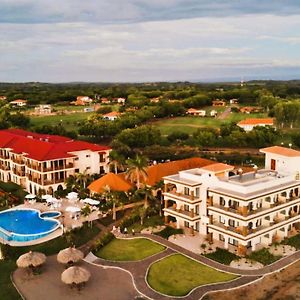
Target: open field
{"points": [[284, 284], [190, 124], [133, 249], [177, 275], [70, 121]]}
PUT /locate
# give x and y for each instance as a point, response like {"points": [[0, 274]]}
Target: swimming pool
{"points": [[50, 214], [24, 225]]}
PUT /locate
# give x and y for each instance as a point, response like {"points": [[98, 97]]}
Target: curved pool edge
{"points": [[37, 237]]}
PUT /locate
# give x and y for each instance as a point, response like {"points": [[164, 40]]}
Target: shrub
{"points": [[168, 231], [222, 256], [129, 221], [107, 238]]}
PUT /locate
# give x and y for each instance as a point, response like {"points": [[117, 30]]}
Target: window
{"points": [[186, 191], [222, 219], [88, 155], [231, 222], [186, 207], [186, 224], [76, 158], [76, 170], [101, 171], [88, 168], [221, 237], [232, 241], [222, 201]]}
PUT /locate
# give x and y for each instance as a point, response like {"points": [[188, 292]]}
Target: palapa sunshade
{"points": [[75, 275], [31, 259], [69, 255], [110, 181]]}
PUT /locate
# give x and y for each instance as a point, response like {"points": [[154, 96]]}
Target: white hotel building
{"points": [[242, 212], [43, 162]]}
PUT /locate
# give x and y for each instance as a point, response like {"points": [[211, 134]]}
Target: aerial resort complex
{"points": [[149, 150]]}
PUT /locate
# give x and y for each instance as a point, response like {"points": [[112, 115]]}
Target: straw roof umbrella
{"points": [[75, 276], [31, 260], [69, 255]]}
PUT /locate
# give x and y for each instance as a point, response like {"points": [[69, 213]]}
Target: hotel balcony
{"points": [[42, 169], [20, 173], [4, 168], [181, 196], [190, 215], [4, 156], [246, 212], [18, 161]]}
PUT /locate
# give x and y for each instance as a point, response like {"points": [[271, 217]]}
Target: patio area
{"points": [[48, 285], [70, 210]]}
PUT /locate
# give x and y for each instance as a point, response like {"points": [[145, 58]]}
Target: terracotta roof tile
{"points": [[281, 151], [266, 121], [218, 167]]}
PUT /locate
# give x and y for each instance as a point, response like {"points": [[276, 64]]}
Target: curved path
{"points": [[139, 269]]}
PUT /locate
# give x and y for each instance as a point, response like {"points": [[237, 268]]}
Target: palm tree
{"points": [[116, 160], [137, 169], [71, 183], [115, 197], [82, 179]]}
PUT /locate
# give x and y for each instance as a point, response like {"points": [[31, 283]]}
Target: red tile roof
{"points": [[281, 151], [266, 121], [43, 146], [112, 114], [155, 173]]}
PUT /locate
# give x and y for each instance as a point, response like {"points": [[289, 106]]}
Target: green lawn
{"points": [[7, 290], [70, 121], [190, 124], [177, 275], [129, 250]]}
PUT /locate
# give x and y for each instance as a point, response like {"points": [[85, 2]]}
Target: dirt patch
{"points": [[282, 285]]}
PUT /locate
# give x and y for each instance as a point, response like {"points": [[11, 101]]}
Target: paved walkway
{"points": [[139, 269]]}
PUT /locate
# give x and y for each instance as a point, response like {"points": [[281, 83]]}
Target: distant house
{"points": [[218, 103], [111, 116], [213, 113], [105, 101], [3, 98], [43, 109], [18, 102], [83, 100], [196, 112], [233, 101], [250, 109], [249, 124], [155, 100], [121, 101]]}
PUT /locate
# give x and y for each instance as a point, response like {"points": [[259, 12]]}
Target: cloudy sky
{"points": [[148, 40]]}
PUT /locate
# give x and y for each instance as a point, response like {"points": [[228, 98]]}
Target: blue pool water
{"points": [[50, 214], [25, 225]]}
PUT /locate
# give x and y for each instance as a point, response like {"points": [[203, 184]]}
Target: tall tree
{"points": [[116, 160], [137, 169]]}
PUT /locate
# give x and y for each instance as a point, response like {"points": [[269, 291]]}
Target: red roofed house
{"points": [[19, 102], [249, 124], [196, 112], [111, 116], [83, 100], [41, 161]]}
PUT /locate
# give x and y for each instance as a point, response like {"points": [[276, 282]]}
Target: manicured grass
{"points": [[168, 231], [177, 275], [293, 241], [129, 250], [263, 256], [222, 256], [69, 121], [7, 290], [190, 124], [148, 222]]}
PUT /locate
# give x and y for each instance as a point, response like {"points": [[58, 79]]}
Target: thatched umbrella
{"points": [[69, 255], [75, 276], [31, 260]]}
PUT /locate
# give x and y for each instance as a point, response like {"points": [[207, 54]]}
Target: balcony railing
{"points": [[18, 161], [4, 156], [184, 213], [4, 168], [182, 196]]}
